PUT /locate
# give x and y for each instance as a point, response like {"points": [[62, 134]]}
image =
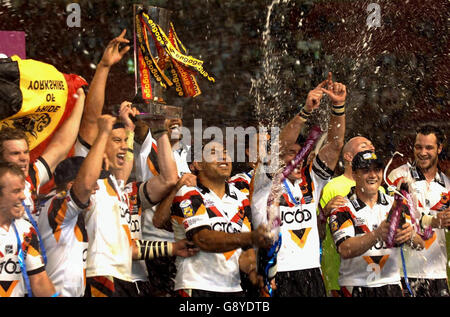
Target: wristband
{"points": [[55, 295], [304, 114], [158, 133], [338, 110], [153, 249], [426, 221]]}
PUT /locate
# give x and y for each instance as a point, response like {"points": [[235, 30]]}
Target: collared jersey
{"points": [[11, 279], [379, 265], [300, 246], [146, 162], [432, 198], [195, 208], [139, 268], [242, 181], [129, 196], [64, 235], [108, 223]]}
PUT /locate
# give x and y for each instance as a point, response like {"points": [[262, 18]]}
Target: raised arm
{"points": [[292, 129], [125, 112], [330, 152], [96, 95], [91, 168], [162, 213], [64, 138], [160, 185]]}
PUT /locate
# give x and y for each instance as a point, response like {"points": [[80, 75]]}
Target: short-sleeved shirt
{"points": [[242, 181], [11, 279], [433, 197], [108, 224], [338, 186], [196, 208], [64, 235], [379, 265], [300, 247], [39, 173], [139, 268]]}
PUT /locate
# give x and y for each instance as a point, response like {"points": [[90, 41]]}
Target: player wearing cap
{"points": [[332, 197], [359, 229]]}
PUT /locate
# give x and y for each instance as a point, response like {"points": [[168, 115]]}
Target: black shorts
{"points": [[161, 276], [421, 287], [202, 293], [394, 290], [302, 283], [108, 286]]}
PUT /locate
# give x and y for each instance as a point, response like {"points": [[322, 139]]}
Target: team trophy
{"points": [[161, 62], [150, 63]]}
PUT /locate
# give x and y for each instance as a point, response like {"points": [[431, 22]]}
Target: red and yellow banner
{"points": [[40, 99]]}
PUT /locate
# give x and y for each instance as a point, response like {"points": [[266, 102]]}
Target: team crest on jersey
{"points": [[9, 249], [359, 222], [334, 226], [208, 203], [186, 207]]}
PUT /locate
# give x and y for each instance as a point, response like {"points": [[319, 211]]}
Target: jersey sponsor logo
{"points": [[10, 267], [334, 226], [359, 222], [186, 207], [298, 216], [134, 226], [209, 203], [224, 226], [189, 222], [125, 212]]}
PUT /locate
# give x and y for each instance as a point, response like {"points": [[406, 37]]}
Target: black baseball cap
{"points": [[67, 170], [365, 159]]}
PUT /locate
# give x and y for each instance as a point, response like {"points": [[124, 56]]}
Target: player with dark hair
{"points": [[427, 269]]}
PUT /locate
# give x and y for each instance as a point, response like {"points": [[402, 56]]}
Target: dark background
{"points": [[397, 74]]}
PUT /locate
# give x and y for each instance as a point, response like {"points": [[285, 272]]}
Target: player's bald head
{"points": [[355, 145]]}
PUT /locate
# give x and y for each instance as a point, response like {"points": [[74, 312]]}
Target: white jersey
{"points": [[198, 207], [300, 244], [146, 167], [81, 147], [11, 279], [139, 268], [38, 174], [433, 197], [129, 196], [64, 235], [108, 223], [379, 265], [242, 181]]}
